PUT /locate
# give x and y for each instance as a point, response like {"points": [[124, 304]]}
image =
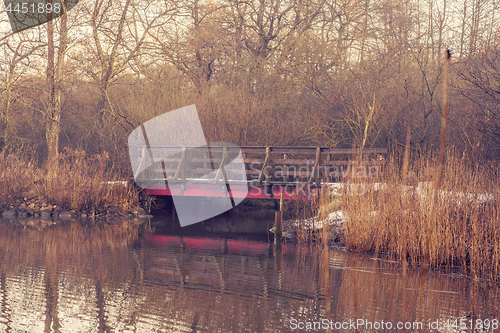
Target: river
{"points": [[218, 277]]}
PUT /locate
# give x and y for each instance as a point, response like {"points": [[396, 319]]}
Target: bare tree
{"points": [[120, 30], [18, 52], [480, 84], [54, 74]]}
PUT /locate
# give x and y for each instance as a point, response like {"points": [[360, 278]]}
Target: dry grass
{"points": [[16, 178], [78, 182], [394, 218]]}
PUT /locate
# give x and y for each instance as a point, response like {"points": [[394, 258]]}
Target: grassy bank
{"points": [[79, 182], [399, 219]]}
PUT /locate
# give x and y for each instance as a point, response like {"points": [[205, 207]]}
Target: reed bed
{"points": [[394, 218], [79, 181], [17, 177]]}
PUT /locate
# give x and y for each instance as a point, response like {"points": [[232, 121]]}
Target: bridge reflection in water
{"points": [[108, 279]]}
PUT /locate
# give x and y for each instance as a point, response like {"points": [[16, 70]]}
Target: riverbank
{"points": [[39, 208], [80, 185], [39, 215]]}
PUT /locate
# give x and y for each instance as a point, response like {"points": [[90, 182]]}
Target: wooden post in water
{"points": [[281, 209], [278, 222]]}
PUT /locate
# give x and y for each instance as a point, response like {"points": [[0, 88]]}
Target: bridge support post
{"points": [[278, 222]]}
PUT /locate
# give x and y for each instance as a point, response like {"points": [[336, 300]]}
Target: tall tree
{"points": [[17, 52], [54, 74]]}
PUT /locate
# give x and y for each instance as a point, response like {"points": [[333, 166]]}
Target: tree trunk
{"points": [[52, 126], [54, 79]]}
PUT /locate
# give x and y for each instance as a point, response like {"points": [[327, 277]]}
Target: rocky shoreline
{"points": [[39, 212]]}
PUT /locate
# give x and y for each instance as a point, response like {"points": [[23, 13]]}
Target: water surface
{"points": [[119, 278]]}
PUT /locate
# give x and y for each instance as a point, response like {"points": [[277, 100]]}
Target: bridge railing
{"points": [[309, 164], [269, 165]]}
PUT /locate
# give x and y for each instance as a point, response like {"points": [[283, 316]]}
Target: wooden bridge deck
{"points": [[258, 172]]}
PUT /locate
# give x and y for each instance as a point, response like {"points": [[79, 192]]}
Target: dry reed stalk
{"points": [[407, 153]]}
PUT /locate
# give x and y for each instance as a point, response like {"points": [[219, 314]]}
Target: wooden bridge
{"points": [[253, 172]]}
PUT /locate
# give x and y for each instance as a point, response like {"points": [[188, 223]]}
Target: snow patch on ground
{"points": [[335, 221]]}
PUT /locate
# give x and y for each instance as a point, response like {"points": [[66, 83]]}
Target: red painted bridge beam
{"points": [[289, 191]]}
